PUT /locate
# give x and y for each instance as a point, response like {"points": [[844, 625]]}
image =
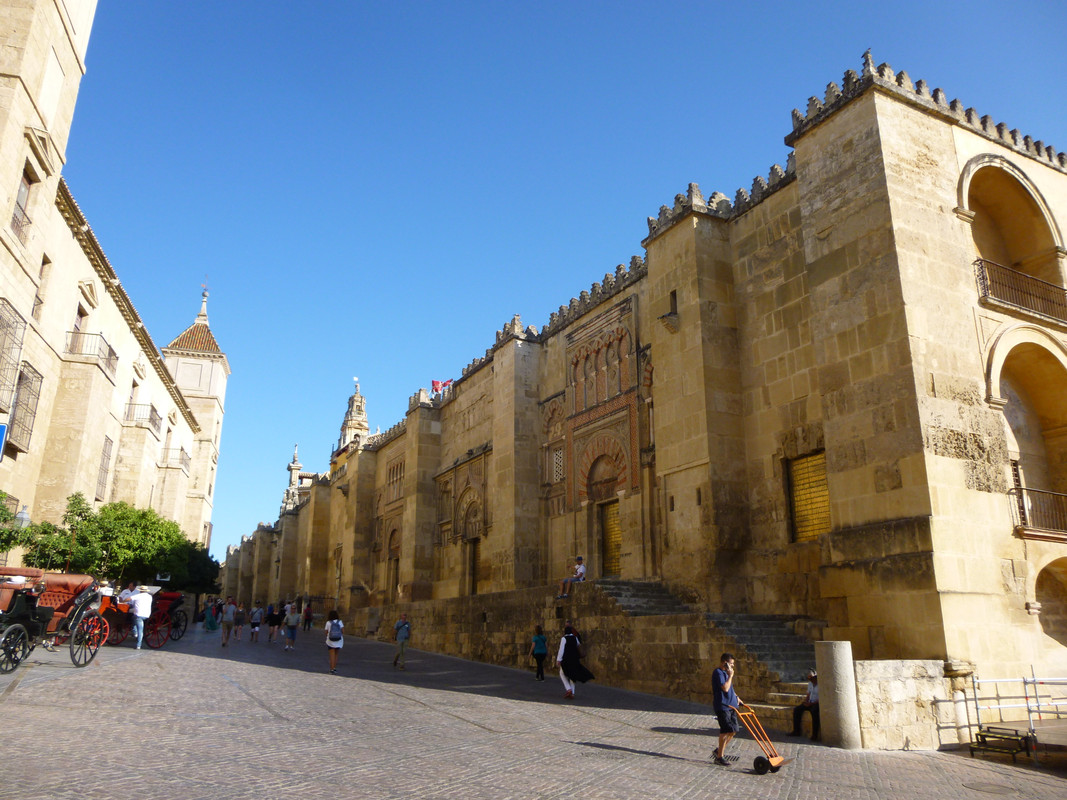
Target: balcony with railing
{"points": [[1039, 514], [1000, 285], [176, 457], [95, 346], [20, 224], [144, 415]]}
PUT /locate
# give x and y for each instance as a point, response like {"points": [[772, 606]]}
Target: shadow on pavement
{"points": [[368, 659]]}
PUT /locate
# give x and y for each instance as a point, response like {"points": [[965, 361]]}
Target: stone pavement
{"points": [[195, 720]]}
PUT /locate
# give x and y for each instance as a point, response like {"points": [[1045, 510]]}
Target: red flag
{"points": [[439, 386]]}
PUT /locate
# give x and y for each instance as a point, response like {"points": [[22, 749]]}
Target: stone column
{"points": [[838, 709]]}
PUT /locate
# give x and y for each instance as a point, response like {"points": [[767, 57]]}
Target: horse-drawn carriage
{"points": [[38, 607], [168, 620]]}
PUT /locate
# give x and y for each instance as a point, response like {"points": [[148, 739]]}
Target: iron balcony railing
{"points": [[1036, 510], [177, 458], [1015, 288], [20, 224], [94, 345], [144, 415]]}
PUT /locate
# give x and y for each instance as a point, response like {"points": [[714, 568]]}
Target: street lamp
{"points": [[22, 519]]}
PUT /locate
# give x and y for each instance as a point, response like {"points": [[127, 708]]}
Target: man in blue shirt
{"points": [[401, 634], [725, 703]]}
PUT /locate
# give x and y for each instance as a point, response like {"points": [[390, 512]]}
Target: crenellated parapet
{"points": [[379, 440], [612, 285], [899, 84], [719, 205]]}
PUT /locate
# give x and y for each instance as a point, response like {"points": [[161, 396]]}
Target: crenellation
{"points": [[900, 83], [377, 440]]}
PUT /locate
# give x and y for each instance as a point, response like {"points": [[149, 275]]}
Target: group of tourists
{"points": [[282, 621]]}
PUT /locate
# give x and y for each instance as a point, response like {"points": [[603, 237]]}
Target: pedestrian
{"points": [[725, 702], [131, 588], [272, 623], [567, 583], [809, 704], [292, 622], [308, 616], [335, 638], [255, 619], [141, 606], [211, 621], [229, 614], [239, 621], [539, 649], [569, 661], [401, 634]]}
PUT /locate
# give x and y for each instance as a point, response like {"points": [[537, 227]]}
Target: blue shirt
{"points": [[722, 698], [403, 630], [540, 644]]}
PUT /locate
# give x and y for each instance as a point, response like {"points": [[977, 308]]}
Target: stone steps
{"points": [[642, 598], [771, 640]]}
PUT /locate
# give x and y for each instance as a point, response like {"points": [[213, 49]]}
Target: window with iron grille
{"points": [[20, 218], [24, 409], [809, 496], [105, 465], [12, 328], [557, 465]]}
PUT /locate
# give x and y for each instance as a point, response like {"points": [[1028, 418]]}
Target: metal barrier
{"points": [[999, 735]]}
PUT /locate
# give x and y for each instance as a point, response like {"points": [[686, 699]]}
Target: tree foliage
{"points": [[119, 542]]}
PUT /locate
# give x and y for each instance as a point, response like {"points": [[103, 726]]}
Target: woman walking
{"points": [[539, 650], [292, 622], [569, 661], [239, 621], [335, 638]]}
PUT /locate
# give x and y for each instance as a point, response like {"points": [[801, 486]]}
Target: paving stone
{"points": [[198, 721]]}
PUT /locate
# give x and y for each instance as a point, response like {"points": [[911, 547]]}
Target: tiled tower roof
{"points": [[198, 336]]}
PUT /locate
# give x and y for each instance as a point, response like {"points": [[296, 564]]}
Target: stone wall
{"points": [[671, 656], [905, 705]]}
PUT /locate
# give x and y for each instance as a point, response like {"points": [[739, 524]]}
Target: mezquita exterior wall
{"points": [[836, 397]]}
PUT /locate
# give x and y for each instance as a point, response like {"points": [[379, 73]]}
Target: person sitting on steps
{"points": [[578, 577]]}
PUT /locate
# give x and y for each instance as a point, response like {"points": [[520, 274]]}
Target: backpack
{"points": [[335, 631]]}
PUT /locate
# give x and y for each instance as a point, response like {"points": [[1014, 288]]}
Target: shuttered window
{"points": [[809, 496]]}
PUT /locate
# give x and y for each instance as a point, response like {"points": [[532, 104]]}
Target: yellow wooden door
{"points": [[611, 531]]}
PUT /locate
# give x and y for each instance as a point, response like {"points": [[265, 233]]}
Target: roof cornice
{"points": [[81, 231]]}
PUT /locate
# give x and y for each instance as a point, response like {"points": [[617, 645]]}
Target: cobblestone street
{"points": [[195, 720]]}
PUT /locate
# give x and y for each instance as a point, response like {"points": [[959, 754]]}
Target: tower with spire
{"points": [[354, 428], [200, 369]]}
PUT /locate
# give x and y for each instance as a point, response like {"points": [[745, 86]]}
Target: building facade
{"points": [[838, 396], [90, 403]]}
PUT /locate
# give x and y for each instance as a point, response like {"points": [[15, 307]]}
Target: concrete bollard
{"points": [[838, 707]]}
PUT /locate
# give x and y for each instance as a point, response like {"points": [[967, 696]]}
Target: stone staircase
{"points": [[642, 598], [780, 681], [770, 639]]}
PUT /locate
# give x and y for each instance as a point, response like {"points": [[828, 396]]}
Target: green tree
{"points": [[119, 542]]}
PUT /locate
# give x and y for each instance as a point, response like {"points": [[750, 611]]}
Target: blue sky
{"points": [[374, 189]]}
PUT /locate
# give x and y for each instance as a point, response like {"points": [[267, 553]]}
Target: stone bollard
{"points": [[838, 708]]}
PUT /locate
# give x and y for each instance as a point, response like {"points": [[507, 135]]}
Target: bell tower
{"points": [[201, 370]]}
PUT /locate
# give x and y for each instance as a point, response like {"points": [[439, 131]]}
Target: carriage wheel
{"points": [[118, 632], [14, 647], [88, 637], [178, 623], [157, 630], [761, 765]]}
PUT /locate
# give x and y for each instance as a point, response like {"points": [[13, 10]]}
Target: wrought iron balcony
{"points": [[144, 415], [1038, 514], [20, 224], [1017, 289], [176, 458], [95, 346]]}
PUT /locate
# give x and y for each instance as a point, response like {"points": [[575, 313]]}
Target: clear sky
{"points": [[374, 189]]}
